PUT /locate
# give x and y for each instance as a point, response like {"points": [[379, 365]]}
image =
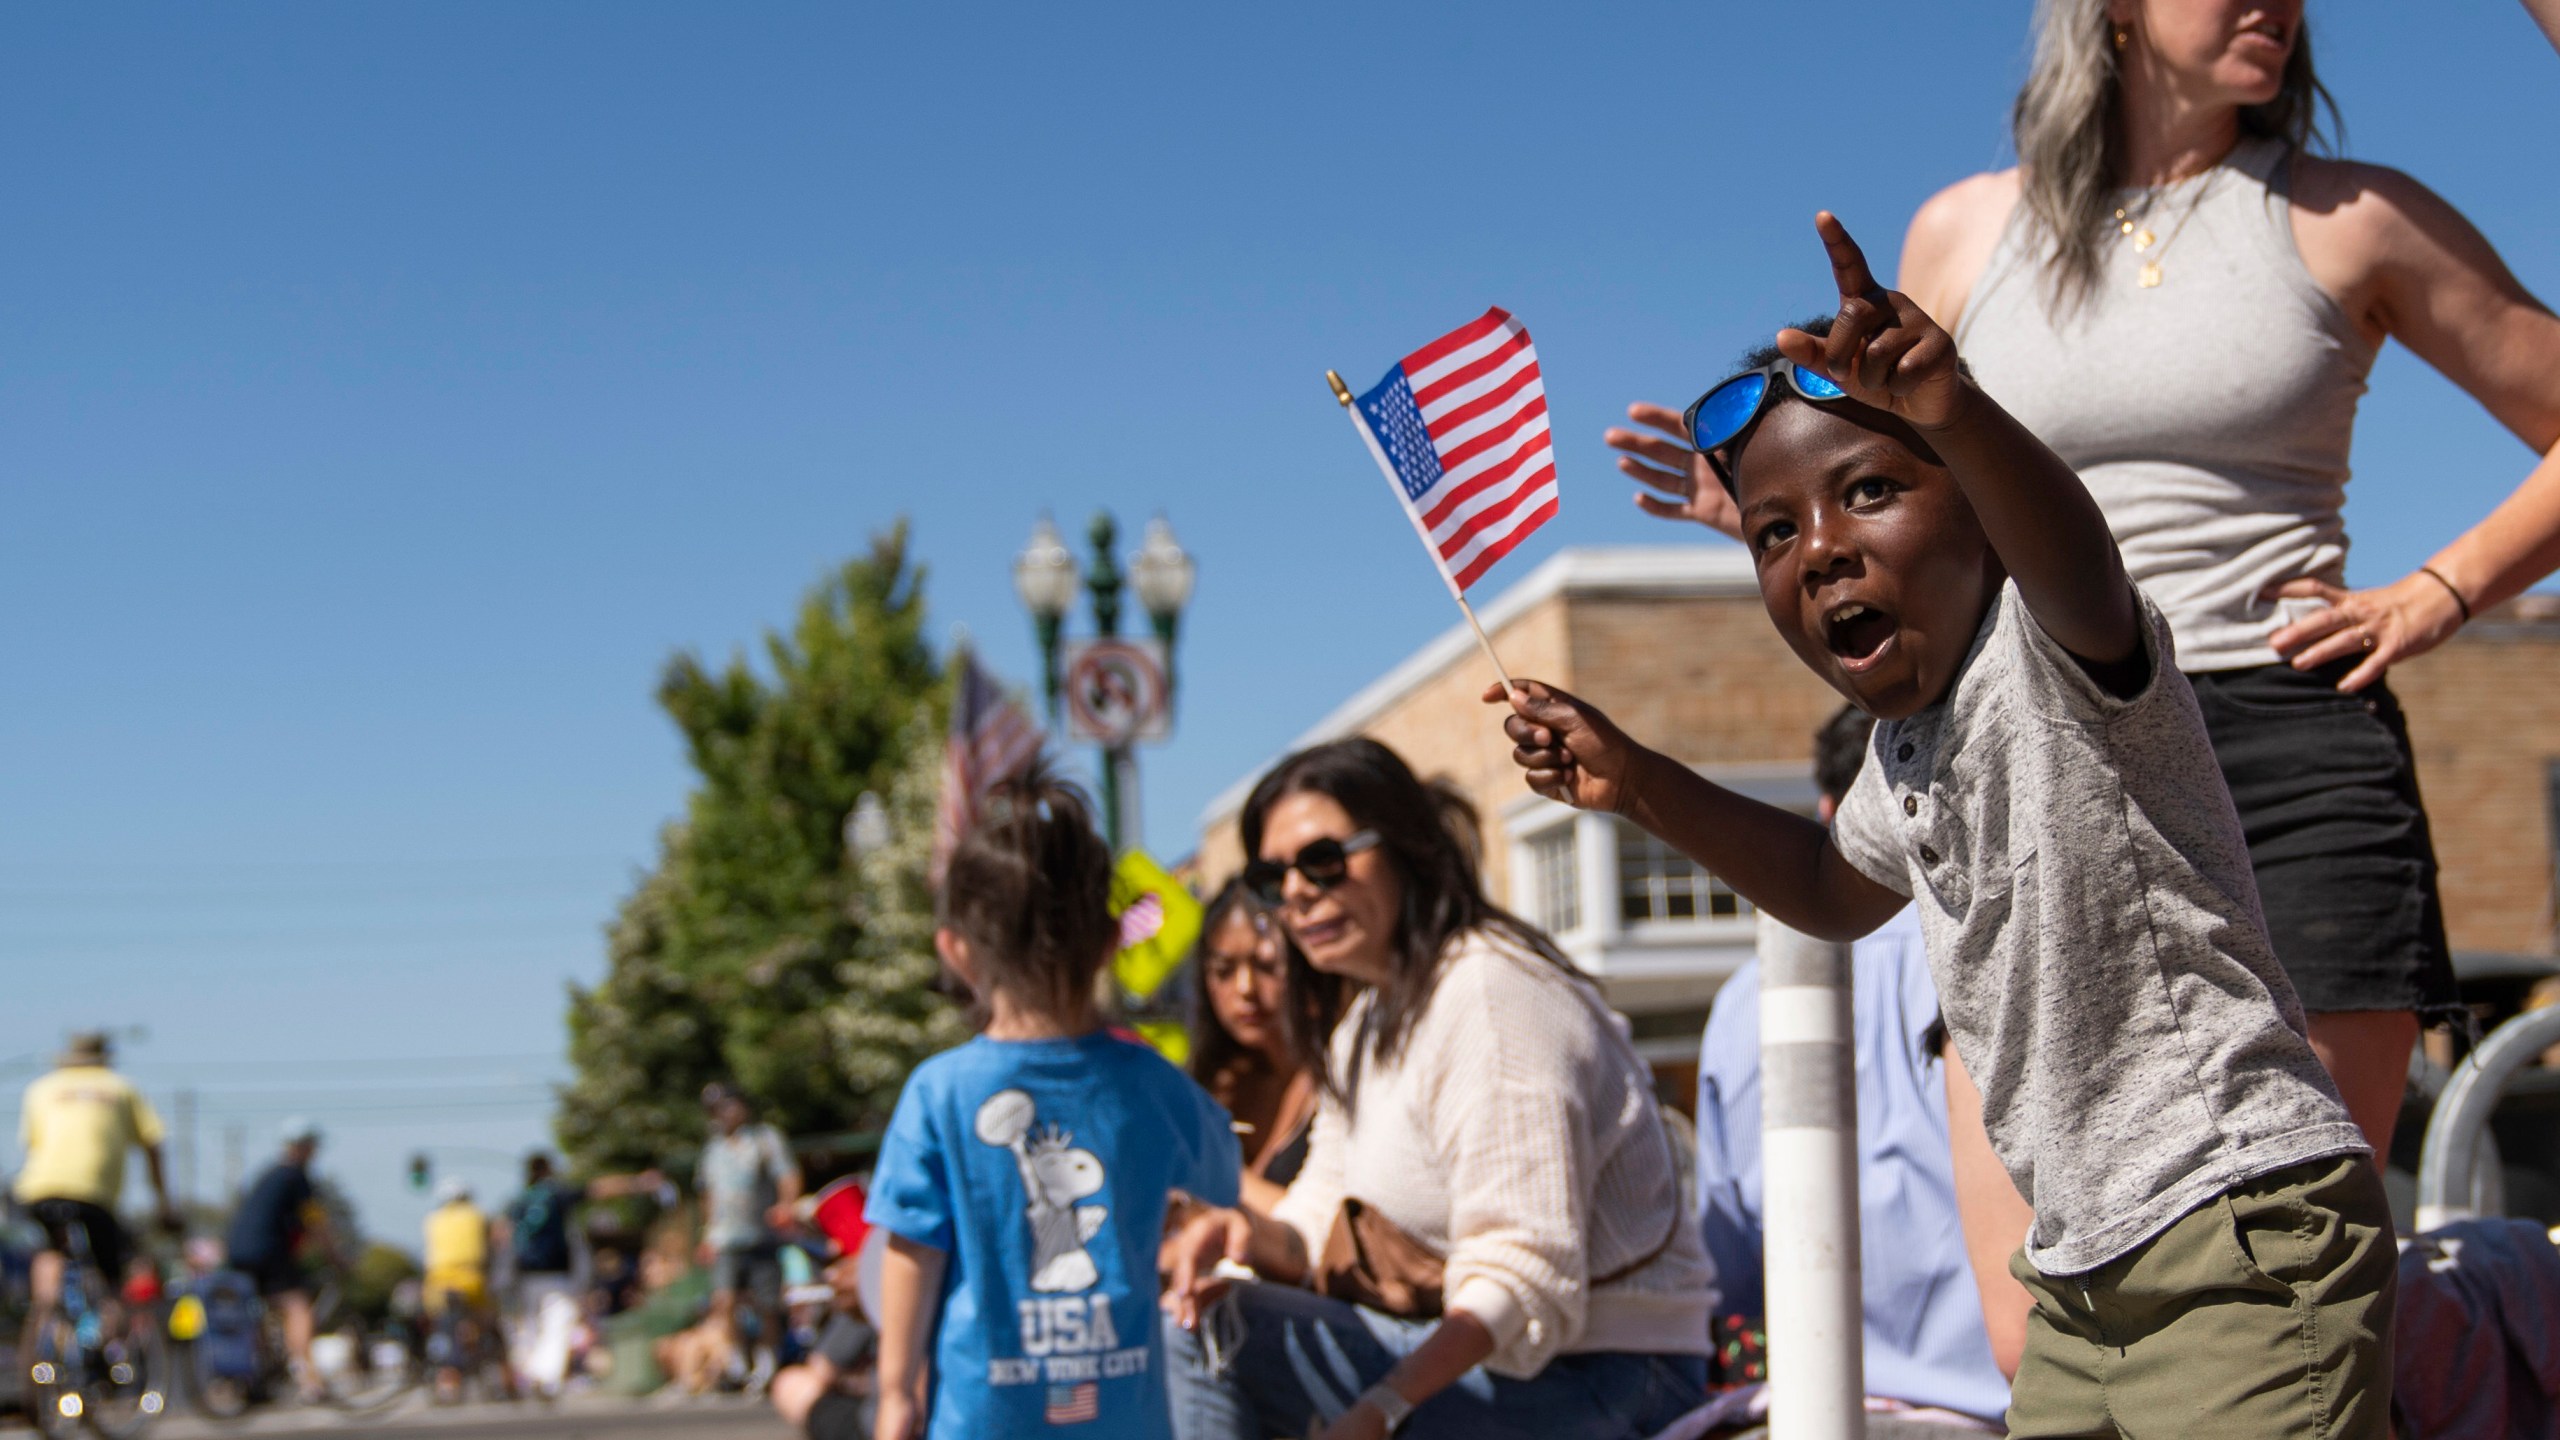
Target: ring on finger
{"points": [[2367, 637]]}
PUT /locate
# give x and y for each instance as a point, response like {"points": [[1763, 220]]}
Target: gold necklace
{"points": [[2149, 276]]}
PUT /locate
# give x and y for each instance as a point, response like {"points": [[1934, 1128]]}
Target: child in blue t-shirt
{"points": [[1024, 1176]]}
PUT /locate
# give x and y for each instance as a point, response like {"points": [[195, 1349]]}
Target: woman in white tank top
{"points": [[2185, 304]]}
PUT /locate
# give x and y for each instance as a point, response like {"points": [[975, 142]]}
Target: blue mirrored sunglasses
{"points": [[1728, 410]]}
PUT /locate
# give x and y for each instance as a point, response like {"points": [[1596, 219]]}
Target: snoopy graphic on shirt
{"points": [[1042, 1169], [1055, 1175]]}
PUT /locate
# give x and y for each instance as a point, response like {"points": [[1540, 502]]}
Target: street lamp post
{"points": [[1046, 577], [1164, 575]]}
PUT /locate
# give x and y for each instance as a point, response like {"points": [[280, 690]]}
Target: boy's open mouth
{"points": [[1858, 634]]}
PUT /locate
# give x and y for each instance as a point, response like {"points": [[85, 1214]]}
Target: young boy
{"points": [[2212, 1254], [1024, 1176]]}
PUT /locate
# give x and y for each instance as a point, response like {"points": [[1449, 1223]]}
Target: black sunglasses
{"points": [[1326, 863]]}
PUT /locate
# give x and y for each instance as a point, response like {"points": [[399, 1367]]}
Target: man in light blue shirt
{"points": [[1926, 1350]]}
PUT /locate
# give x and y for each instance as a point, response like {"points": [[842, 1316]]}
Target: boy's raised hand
{"points": [[1571, 751], [1883, 349]]}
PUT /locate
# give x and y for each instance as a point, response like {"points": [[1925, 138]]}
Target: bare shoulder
{"points": [[1951, 238], [2359, 201], [2366, 230]]}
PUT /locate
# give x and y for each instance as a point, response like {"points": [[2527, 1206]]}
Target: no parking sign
{"points": [[1116, 692]]}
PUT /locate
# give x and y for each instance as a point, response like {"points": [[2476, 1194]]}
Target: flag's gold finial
{"points": [[1341, 392]]}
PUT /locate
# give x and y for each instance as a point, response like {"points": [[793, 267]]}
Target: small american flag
{"points": [[991, 741], [1074, 1404], [1463, 424]]}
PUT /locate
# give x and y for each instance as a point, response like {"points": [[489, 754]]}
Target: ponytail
{"points": [[1029, 889]]}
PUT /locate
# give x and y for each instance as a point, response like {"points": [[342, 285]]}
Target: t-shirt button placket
{"points": [[1928, 856], [1910, 804]]}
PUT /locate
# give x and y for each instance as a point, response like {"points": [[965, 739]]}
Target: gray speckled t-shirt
{"points": [[2095, 933]]}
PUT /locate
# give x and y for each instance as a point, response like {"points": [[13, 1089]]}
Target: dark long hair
{"points": [[1313, 1002], [1429, 834]]}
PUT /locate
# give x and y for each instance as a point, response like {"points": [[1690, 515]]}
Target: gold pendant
{"points": [[2143, 240], [2150, 276]]}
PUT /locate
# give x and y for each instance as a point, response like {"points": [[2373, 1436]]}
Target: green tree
{"points": [[756, 950], [378, 1270]]}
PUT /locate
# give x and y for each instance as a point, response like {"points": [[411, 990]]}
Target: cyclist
{"points": [[76, 1125], [277, 1215], [457, 1279], [536, 1229]]}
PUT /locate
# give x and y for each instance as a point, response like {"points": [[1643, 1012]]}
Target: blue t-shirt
{"points": [[1040, 1167]]}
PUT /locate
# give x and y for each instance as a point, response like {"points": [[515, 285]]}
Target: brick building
{"points": [[1673, 643]]}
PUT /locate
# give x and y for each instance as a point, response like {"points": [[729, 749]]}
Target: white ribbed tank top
{"points": [[2210, 416]]}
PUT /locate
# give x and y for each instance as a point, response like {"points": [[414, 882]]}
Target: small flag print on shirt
{"points": [[1463, 422], [1073, 1404]]}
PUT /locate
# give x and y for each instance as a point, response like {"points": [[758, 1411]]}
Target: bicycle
{"points": [[465, 1349], [93, 1360], [237, 1359]]}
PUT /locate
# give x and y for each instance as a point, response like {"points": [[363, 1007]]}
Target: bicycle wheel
{"points": [[220, 1391], [129, 1385], [496, 1372], [54, 1399], [373, 1378]]}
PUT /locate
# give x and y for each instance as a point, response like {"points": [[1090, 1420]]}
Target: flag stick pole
{"points": [[1342, 396]]}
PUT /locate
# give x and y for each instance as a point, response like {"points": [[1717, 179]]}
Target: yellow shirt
{"points": [[75, 1126], [457, 1240]]}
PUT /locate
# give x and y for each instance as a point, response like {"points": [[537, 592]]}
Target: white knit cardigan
{"points": [[1516, 1135]]}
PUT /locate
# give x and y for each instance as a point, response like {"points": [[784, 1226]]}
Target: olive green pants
{"points": [[2265, 1312]]}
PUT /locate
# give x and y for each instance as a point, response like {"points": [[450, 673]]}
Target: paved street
{"points": [[577, 1419]]}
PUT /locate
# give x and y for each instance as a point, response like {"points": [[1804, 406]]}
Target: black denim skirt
{"points": [[2328, 797]]}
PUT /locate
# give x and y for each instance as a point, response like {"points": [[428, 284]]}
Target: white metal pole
{"points": [[1133, 830], [1809, 1188]]}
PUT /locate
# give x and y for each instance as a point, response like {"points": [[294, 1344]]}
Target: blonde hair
{"points": [[2067, 125]]}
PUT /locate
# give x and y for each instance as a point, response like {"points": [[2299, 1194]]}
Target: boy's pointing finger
{"points": [[1848, 263]]}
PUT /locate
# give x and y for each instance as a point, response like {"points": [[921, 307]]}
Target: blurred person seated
{"points": [[828, 1396], [1489, 1235], [664, 1336], [695, 1358], [1928, 1358], [1260, 1017], [613, 1283]]}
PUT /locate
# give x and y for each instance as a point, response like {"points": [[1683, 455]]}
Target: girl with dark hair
{"points": [[1259, 1018], [1489, 1217], [1024, 1177]]}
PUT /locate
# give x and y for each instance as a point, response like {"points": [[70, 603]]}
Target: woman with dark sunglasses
{"points": [[2184, 301], [1487, 1239]]}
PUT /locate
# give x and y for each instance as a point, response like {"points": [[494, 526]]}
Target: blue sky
{"points": [[390, 389]]}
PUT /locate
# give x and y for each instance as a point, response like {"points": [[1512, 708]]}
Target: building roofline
{"points": [[1657, 570]]}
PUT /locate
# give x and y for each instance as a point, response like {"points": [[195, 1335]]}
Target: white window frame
{"points": [[1787, 784]]}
